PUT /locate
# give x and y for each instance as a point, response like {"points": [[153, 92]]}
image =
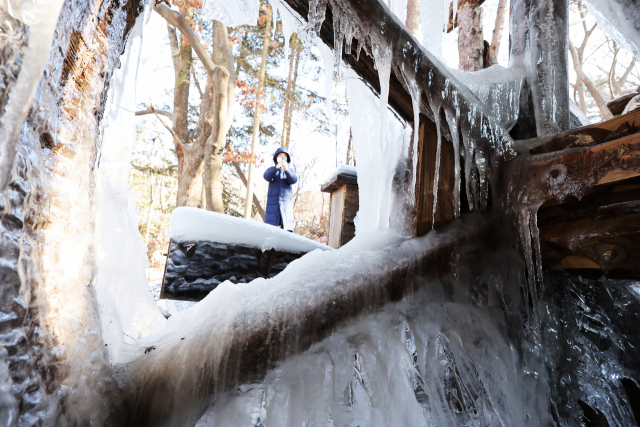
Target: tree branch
{"points": [[195, 79], [600, 102], [151, 110], [177, 20]]}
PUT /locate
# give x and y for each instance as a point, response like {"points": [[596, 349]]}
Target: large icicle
{"points": [[127, 309]]}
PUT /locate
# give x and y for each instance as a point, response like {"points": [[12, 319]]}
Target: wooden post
{"points": [[344, 207], [427, 148]]}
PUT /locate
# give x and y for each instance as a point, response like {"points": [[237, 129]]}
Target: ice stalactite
{"points": [[328, 60], [382, 56], [455, 140], [436, 174], [127, 309], [415, 92], [310, 31], [40, 19]]}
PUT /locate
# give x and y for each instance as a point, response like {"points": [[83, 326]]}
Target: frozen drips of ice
{"points": [[452, 122], [427, 360], [41, 16], [309, 32], [498, 89], [415, 92], [290, 22], [232, 13], [327, 58], [128, 311], [382, 55], [376, 168]]}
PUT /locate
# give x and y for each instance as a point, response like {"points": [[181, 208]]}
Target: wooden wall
{"points": [[427, 147]]}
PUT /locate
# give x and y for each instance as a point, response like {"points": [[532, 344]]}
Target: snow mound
{"points": [[189, 224]]}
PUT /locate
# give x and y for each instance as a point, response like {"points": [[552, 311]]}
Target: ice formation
{"points": [[193, 224], [127, 309], [40, 17], [619, 19]]}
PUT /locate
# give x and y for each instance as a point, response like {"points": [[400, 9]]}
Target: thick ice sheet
{"points": [[192, 224]]}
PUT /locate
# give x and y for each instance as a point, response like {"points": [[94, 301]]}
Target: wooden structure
{"points": [[587, 181], [344, 204]]}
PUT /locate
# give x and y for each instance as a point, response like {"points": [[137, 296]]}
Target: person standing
{"points": [[280, 196]]}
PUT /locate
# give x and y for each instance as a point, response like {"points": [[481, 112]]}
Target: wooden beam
{"points": [[257, 339], [599, 231], [617, 106], [585, 136], [535, 179]]}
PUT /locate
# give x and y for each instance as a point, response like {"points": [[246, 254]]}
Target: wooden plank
{"points": [[338, 181], [571, 172], [335, 220], [586, 136], [427, 148], [577, 234], [351, 206]]}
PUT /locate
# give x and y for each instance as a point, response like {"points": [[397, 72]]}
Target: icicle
{"points": [[338, 35], [308, 33], [382, 57], [327, 57], [470, 172], [289, 26], [436, 175], [414, 91], [274, 13], [455, 139]]}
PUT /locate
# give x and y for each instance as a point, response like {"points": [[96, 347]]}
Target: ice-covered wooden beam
{"points": [[230, 344], [574, 233]]}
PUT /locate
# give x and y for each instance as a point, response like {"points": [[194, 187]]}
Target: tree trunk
{"points": [[497, 30], [287, 97], [256, 114], [470, 39], [219, 80], [413, 16], [292, 97]]}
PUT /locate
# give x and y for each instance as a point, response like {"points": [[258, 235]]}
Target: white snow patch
{"points": [[192, 224]]}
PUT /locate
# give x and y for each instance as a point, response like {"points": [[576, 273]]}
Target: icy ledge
{"points": [[191, 224]]}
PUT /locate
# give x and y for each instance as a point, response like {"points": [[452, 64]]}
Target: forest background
{"points": [[296, 115]]}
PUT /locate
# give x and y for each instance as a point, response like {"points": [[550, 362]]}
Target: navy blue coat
{"points": [[280, 195]]}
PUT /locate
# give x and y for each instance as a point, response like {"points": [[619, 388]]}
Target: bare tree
{"points": [[199, 153]]}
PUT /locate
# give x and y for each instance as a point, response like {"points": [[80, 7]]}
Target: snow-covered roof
{"points": [[193, 224]]}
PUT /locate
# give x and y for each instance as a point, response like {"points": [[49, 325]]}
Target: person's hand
{"points": [[278, 165], [286, 166]]}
